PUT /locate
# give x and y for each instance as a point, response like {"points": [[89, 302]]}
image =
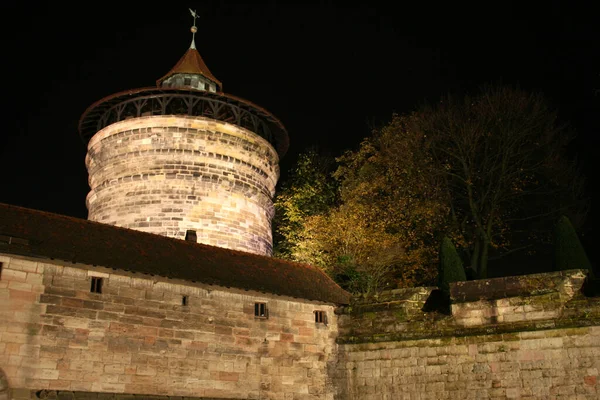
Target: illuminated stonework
{"points": [[168, 174], [182, 156]]}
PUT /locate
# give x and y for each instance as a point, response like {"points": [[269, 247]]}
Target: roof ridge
{"points": [[73, 239], [137, 232]]}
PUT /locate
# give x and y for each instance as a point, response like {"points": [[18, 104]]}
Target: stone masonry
{"points": [[170, 174], [529, 337], [149, 337], [57, 338], [547, 364]]}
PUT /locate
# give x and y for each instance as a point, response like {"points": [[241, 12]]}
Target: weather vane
{"points": [[193, 29]]}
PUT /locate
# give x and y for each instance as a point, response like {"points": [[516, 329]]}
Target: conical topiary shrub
{"points": [[450, 268], [568, 249]]}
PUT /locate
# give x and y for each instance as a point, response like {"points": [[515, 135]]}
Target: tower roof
{"points": [[232, 109], [191, 63], [191, 82]]}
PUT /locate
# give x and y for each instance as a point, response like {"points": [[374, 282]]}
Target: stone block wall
{"points": [[170, 174], [533, 337], [545, 364], [530, 337], [59, 339]]}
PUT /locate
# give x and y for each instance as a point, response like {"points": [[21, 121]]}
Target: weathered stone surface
{"points": [[4, 389], [566, 283], [170, 174], [551, 364], [136, 340], [75, 395], [543, 342], [73, 344]]}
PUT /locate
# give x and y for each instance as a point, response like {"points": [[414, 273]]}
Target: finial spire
{"points": [[193, 29]]}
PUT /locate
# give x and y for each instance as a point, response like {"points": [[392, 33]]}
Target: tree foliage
{"points": [[309, 191], [501, 155], [381, 231], [386, 185], [487, 171]]}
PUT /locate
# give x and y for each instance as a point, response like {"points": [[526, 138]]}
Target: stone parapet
{"points": [[500, 305], [534, 337]]}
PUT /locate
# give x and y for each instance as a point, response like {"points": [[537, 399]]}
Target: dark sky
{"points": [[328, 70]]}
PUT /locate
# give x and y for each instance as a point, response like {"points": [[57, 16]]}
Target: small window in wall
{"points": [[320, 317], [0, 270], [96, 285], [260, 310], [187, 81], [185, 300], [206, 86]]}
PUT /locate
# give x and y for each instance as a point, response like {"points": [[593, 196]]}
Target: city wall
{"points": [[60, 341], [528, 337]]}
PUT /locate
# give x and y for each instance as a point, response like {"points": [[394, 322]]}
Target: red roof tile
{"points": [[191, 63], [76, 240]]}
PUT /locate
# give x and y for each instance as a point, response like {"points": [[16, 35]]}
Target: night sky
{"points": [[330, 71]]}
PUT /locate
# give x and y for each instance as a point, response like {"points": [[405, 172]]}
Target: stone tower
{"points": [[183, 156]]}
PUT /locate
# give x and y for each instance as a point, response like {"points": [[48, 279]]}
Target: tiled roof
{"points": [[89, 122], [41, 234], [191, 63]]}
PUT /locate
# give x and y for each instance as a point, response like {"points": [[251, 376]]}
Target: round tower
{"points": [[183, 156]]}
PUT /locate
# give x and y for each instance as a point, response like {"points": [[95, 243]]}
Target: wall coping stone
{"points": [[521, 285], [498, 306], [505, 330]]}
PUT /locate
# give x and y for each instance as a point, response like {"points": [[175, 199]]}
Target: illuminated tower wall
{"points": [[176, 157]]}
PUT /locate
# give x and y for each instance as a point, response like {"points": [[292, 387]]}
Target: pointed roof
{"points": [[191, 63]]}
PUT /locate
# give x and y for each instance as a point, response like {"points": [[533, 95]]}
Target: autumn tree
{"points": [[501, 156], [387, 186], [487, 171], [358, 256], [309, 191], [381, 231]]}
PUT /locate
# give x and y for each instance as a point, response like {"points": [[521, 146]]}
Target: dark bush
{"points": [[450, 268], [568, 249]]}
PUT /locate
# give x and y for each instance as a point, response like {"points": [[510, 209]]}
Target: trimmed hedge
{"points": [[450, 268], [568, 249]]}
